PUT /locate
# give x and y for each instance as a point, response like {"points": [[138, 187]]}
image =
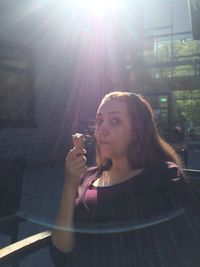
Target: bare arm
{"points": [[75, 165]]}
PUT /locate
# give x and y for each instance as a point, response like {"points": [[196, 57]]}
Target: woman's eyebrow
{"points": [[114, 112]]}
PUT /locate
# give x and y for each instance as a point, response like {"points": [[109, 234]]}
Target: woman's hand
{"points": [[75, 163]]}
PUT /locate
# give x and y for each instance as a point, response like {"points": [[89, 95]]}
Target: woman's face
{"points": [[113, 129]]}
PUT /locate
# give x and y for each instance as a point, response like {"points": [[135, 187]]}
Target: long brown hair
{"points": [[148, 148]]}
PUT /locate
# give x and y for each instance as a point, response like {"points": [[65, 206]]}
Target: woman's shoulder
{"points": [[173, 170], [174, 181], [167, 169], [162, 175], [167, 181]]}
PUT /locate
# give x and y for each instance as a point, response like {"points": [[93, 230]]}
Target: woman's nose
{"points": [[103, 129]]}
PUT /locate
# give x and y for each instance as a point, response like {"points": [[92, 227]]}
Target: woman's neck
{"points": [[120, 166], [121, 170]]}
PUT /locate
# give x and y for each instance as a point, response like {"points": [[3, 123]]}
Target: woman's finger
{"points": [[73, 165], [75, 152], [80, 164]]}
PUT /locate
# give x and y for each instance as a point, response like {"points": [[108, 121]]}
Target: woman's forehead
{"points": [[113, 106]]}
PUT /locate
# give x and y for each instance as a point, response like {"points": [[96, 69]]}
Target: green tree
{"points": [[186, 103], [186, 107], [181, 60]]}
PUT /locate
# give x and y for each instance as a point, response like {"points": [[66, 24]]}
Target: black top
{"points": [[143, 222]]}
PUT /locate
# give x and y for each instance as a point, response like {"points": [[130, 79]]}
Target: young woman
{"points": [[131, 209]]}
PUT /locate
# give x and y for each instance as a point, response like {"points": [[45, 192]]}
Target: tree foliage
{"points": [[184, 56]]}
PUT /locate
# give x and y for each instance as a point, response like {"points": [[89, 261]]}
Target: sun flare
{"points": [[99, 7]]}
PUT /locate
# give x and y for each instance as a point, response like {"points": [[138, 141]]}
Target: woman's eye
{"points": [[115, 121]]}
